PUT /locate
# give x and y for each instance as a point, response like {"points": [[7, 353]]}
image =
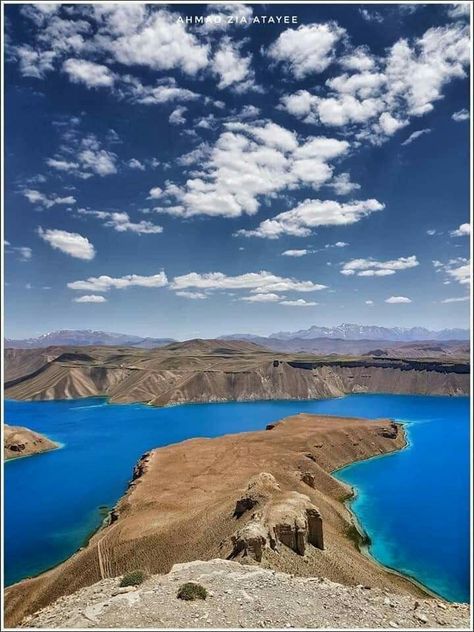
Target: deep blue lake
{"points": [[413, 504]]}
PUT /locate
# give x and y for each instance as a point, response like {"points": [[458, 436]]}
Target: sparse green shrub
{"points": [[191, 591], [134, 578]]}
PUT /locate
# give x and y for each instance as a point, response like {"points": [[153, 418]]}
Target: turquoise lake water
{"points": [[414, 504]]}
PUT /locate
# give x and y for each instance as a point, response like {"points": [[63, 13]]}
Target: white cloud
{"points": [[106, 283], [464, 230], [431, 232], [398, 299], [155, 40], [310, 214], [371, 267], [177, 115], [342, 185], [36, 197], [460, 115], [71, 244], [249, 161], [24, 253], [383, 94], [220, 17], [308, 49], [133, 163], [90, 298], [192, 295], [300, 302], [262, 298], [89, 157], [258, 282], [90, 74], [120, 221], [295, 253], [414, 135], [371, 16], [459, 299], [154, 193], [230, 66], [461, 274], [369, 302], [458, 11]]}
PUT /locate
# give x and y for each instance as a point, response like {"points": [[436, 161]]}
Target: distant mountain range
{"points": [[344, 338], [350, 331], [76, 337]]}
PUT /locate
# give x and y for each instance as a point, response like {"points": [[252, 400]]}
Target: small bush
{"points": [[134, 578], [191, 591]]}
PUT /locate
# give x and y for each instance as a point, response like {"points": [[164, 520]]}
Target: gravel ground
{"points": [[247, 597]]}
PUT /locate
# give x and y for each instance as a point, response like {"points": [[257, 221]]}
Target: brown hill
{"points": [[19, 441], [217, 370], [264, 497]]}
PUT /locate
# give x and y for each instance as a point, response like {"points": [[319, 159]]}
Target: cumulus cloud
{"points": [[464, 230], [47, 201], [342, 185], [133, 163], [371, 267], [300, 302], [382, 94], [460, 115], [83, 156], [309, 49], [398, 299], [414, 135], [250, 161], [257, 282], [230, 65], [301, 220], [121, 222], [71, 244], [177, 115], [106, 283], [90, 298], [89, 73]]}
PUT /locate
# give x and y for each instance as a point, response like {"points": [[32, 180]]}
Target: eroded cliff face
{"points": [[261, 379], [268, 496]]}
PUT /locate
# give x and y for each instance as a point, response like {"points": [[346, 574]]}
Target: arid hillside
{"points": [[18, 441], [217, 370], [264, 498]]}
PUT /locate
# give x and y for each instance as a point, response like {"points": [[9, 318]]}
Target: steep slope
{"points": [[216, 370], [203, 498]]}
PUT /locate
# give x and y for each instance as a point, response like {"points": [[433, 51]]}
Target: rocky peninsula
{"points": [[19, 442], [263, 498]]}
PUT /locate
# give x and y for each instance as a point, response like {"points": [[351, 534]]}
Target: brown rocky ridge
{"points": [[217, 370], [262, 498]]}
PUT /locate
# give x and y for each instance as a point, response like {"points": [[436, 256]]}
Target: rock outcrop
{"points": [[19, 442], [281, 518]]}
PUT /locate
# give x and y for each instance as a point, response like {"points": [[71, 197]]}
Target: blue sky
{"points": [[173, 179]]}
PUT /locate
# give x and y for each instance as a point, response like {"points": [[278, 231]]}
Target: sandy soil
{"points": [[181, 507]]}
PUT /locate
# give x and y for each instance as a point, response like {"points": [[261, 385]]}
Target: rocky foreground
{"points": [[247, 597], [19, 441]]}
